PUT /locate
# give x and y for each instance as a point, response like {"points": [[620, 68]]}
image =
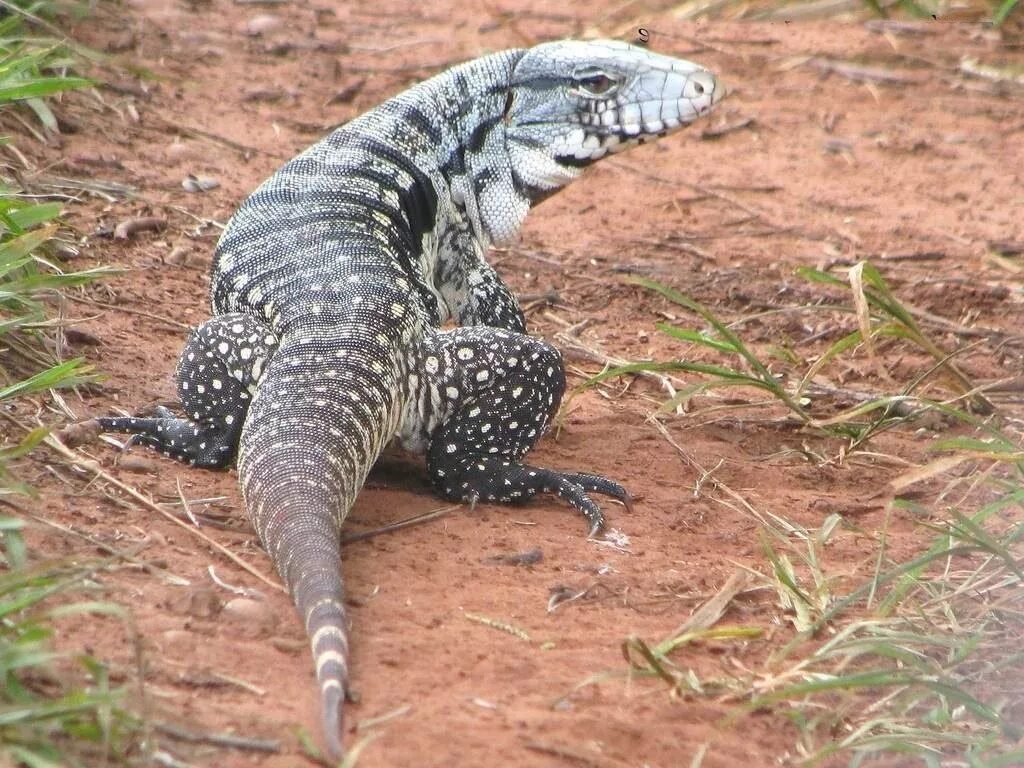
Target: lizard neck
{"points": [[468, 105]]}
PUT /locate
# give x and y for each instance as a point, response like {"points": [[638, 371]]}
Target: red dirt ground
{"points": [[920, 174]]}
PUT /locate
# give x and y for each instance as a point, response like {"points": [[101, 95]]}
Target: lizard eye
{"points": [[597, 84]]}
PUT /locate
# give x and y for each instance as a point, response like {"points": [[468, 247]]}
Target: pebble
{"points": [[82, 433], [179, 150], [139, 465], [261, 24], [179, 255], [204, 603], [178, 643], [289, 645], [199, 183], [249, 618]]}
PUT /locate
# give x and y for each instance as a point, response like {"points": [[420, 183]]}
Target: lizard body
{"points": [[333, 282]]}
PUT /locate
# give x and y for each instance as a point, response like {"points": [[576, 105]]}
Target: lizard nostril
{"points": [[699, 89]]}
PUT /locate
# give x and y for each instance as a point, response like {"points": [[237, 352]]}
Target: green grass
{"points": [[918, 658], [30, 355], [55, 710], [994, 12], [1003, 11], [921, 659], [913, 659], [33, 68], [789, 380]]}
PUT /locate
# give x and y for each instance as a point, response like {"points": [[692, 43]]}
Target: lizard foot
{"points": [[487, 478]]}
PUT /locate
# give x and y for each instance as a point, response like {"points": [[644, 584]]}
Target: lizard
{"points": [[353, 305]]}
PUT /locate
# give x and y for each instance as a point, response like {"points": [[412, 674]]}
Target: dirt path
{"points": [[809, 169]]}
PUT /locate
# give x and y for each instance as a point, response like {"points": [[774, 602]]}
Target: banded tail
{"points": [[325, 408]]}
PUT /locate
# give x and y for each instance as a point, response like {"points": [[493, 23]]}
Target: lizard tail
{"points": [[310, 438], [305, 551], [323, 609]]}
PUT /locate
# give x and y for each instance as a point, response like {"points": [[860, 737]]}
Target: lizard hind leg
{"points": [[500, 390], [221, 364]]}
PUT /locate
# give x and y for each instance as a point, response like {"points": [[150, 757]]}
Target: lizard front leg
{"points": [[488, 301], [472, 289]]}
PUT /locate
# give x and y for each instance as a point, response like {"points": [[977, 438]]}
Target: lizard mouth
{"points": [[616, 138], [600, 140]]}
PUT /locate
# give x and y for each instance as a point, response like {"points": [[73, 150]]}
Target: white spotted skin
{"points": [[332, 282], [218, 371]]}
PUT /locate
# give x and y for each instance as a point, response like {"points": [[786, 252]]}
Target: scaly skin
{"points": [[331, 283]]}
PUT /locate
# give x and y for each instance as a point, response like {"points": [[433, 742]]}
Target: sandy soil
{"points": [[919, 171]]}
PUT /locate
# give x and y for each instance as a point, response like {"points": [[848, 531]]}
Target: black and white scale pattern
{"points": [[334, 281]]}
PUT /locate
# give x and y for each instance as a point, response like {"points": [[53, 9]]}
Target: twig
{"points": [[91, 465], [382, 48], [666, 382], [744, 506], [719, 132], [568, 753], [164, 758], [508, 20], [402, 69], [914, 256], [712, 610], [208, 521], [561, 595], [218, 739], [206, 677], [209, 136], [707, 191], [674, 244], [501, 626], [864, 74], [971, 66], [148, 567], [99, 187], [408, 522], [238, 683], [14, 8], [243, 591], [184, 502], [897, 27], [129, 311], [902, 408], [370, 722]]}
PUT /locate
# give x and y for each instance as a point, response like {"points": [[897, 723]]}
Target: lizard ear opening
{"points": [[509, 100]]}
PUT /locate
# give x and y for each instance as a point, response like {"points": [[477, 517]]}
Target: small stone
{"points": [[178, 643], [121, 42], [204, 603], [199, 183], [82, 433], [130, 227], [179, 150], [77, 337], [249, 618], [138, 464], [261, 24], [263, 94], [179, 255], [288, 645]]}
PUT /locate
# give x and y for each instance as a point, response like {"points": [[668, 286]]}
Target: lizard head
{"points": [[572, 102]]}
